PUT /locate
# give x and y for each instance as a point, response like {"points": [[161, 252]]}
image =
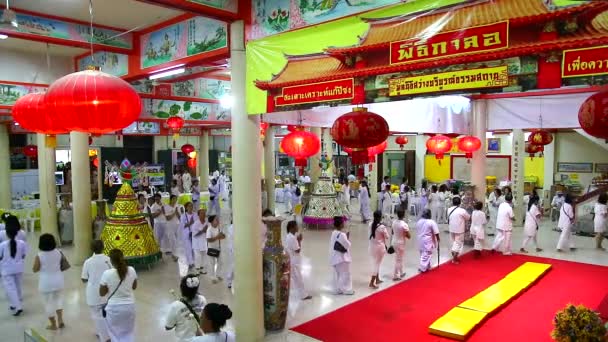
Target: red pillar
{"points": [[549, 65], [359, 91], [269, 102]]}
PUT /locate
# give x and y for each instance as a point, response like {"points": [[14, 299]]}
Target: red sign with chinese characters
{"points": [[453, 43], [316, 92], [585, 62]]}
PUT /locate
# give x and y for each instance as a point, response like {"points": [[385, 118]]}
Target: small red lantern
{"points": [[29, 111], [469, 144], [401, 141], [293, 128], [439, 145], [540, 138], [532, 149], [593, 115], [175, 124], [263, 127], [301, 145], [93, 102], [30, 151], [187, 149], [96, 162], [191, 163], [359, 130]]}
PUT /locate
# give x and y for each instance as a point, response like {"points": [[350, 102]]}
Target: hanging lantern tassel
{"points": [[300, 165], [175, 136], [50, 141]]}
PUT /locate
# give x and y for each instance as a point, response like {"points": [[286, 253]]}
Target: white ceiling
{"points": [[37, 47], [126, 14]]}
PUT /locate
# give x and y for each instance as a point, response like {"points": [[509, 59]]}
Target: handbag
{"points": [[390, 250], [103, 308], [64, 264], [338, 247], [196, 317], [214, 252]]}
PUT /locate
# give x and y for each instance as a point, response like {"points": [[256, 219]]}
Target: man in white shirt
{"points": [[293, 246], [160, 221], [92, 270], [504, 226], [214, 198], [187, 181], [457, 218], [222, 184]]}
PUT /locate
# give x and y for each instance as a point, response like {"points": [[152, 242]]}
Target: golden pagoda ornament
{"points": [[127, 229]]}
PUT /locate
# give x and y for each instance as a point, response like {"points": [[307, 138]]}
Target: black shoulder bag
{"points": [[215, 252], [103, 308], [450, 214], [196, 317], [338, 247]]}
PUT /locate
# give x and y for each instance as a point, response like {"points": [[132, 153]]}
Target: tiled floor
{"points": [[153, 294]]}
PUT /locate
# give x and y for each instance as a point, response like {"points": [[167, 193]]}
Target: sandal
{"points": [[51, 327]]}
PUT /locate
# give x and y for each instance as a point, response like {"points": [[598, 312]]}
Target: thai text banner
{"points": [[317, 92], [466, 41], [585, 62], [447, 81]]}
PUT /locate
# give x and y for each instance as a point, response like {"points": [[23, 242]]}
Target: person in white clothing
{"points": [[478, 228], [92, 270], [51, 283], [494, 201], [364, 199], [199, 241], [566, 219], [386, 181], [119, 282], [442, 196], [457, 219], [184, 313], [214, 248], [158, 217], [340, 258], [401, 232], [222, 180], [556, 205], [213, 319], [186, 223], [174, 188], [214, 198], [434, 203], [187, 181], [504, 226], [293, 246], [378, 238], [196, 195], [287, 192], [531, 223], [12, 259], [228, 255], [427, 232], [177, 177], [13, 220], [600, 221], [345, 191], [386, 202], [168, 244], [404, 196]]}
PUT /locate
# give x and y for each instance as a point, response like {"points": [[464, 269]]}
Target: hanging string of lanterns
{"points": [[360, 130]]}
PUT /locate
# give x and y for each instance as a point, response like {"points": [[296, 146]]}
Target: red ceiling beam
{"points": [[195, 8]]}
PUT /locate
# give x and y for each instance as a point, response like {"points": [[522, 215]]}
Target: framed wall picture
{"points": [[601, 167], [493, 145], [575, 167]]}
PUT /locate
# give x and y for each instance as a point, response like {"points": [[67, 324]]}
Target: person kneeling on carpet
{"points": [[428, 239]]}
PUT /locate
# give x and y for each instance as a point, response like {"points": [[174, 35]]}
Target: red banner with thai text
{"points": [[453, 43], [585, 62], [316, 92]]}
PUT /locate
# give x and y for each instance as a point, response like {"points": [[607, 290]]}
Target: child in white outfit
{"points": [[478, 228]]}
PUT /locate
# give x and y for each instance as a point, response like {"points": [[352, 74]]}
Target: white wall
{"points": [[18, 66], [572, 147]]}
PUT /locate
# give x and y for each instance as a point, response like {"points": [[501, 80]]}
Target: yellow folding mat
{"points": [[457, 323]]}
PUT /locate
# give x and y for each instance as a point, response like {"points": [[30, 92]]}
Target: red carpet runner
{"points": [[405, 311]]}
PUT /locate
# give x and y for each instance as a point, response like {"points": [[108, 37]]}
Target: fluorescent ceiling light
{"points": [[167, 73], [3, 36]]}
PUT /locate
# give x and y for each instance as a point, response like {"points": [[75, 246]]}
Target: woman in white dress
{"points": [[424, 196], [184, 313], [494, 200], [186, 224], [387, 205], [172, 216], [346, 196], [213, 319], [214, 248], [51, 283], [12, 259], [600, 221], [340, 258], [428, 239], [478, 228], [377, 247], [434, 203], [287, 191], [119, 282], [364, 202], [441, 194], [531, 223], [566, 219], [401, 232], [199, 241]]}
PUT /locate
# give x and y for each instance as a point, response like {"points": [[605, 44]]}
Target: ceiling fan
{"points": [[9, 18]]}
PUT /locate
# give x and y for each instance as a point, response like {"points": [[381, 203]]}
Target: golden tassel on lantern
{"points": [[50, 141]]}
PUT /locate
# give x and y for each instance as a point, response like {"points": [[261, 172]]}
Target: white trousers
{"points": [[343, 282], [436, 213], [297, 281], [508, 243], [121, 322], [457, 242], [200, 259], [168, 244], [216, 266], [477, 244], [101, 327], [214, 207], [498, 240], [377, 252], [399, 253], [565, 239], [187, 247], [527, 239], [53, 301], [159, 232], [12, 286], [426, 258]]}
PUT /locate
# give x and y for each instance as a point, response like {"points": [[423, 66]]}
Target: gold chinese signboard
{"points": [[449, 81], [585, 62]]}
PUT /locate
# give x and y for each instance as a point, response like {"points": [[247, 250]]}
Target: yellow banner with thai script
{"points": [[448, 81]]}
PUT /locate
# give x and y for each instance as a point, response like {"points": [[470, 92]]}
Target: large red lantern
{"points": [[187, 149], [359, 130], [301, 145], [93, 102], [532, 149], [401, 141], [30, 113], [593, 115], [30, 151], [439, 145], [540, 138], [469, 144], [175, 124]]}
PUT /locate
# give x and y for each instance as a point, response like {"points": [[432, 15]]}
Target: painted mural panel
{"points": [[187, 38], [70, 31], [163, 109], [226, 5], [111, 63], [9, 93], [203, 88]]}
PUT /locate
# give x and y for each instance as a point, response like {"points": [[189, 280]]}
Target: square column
{"points": [[478, 162], [269, 164], [48, 189], [203, 160], [6, 201], [81, 196]]}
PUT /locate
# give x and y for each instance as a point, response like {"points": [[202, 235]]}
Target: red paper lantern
{"points": [[191, 163], [439, 145], [93, 102], [175, 124], [187, 149], [293, 128], [96, 162], [263, 127], [359, 130], [469, 144], [593, 115], [532, 149], [373, 151], [540, 138], [301, 145], [401, 141], [30, 151], [30, 113]]}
